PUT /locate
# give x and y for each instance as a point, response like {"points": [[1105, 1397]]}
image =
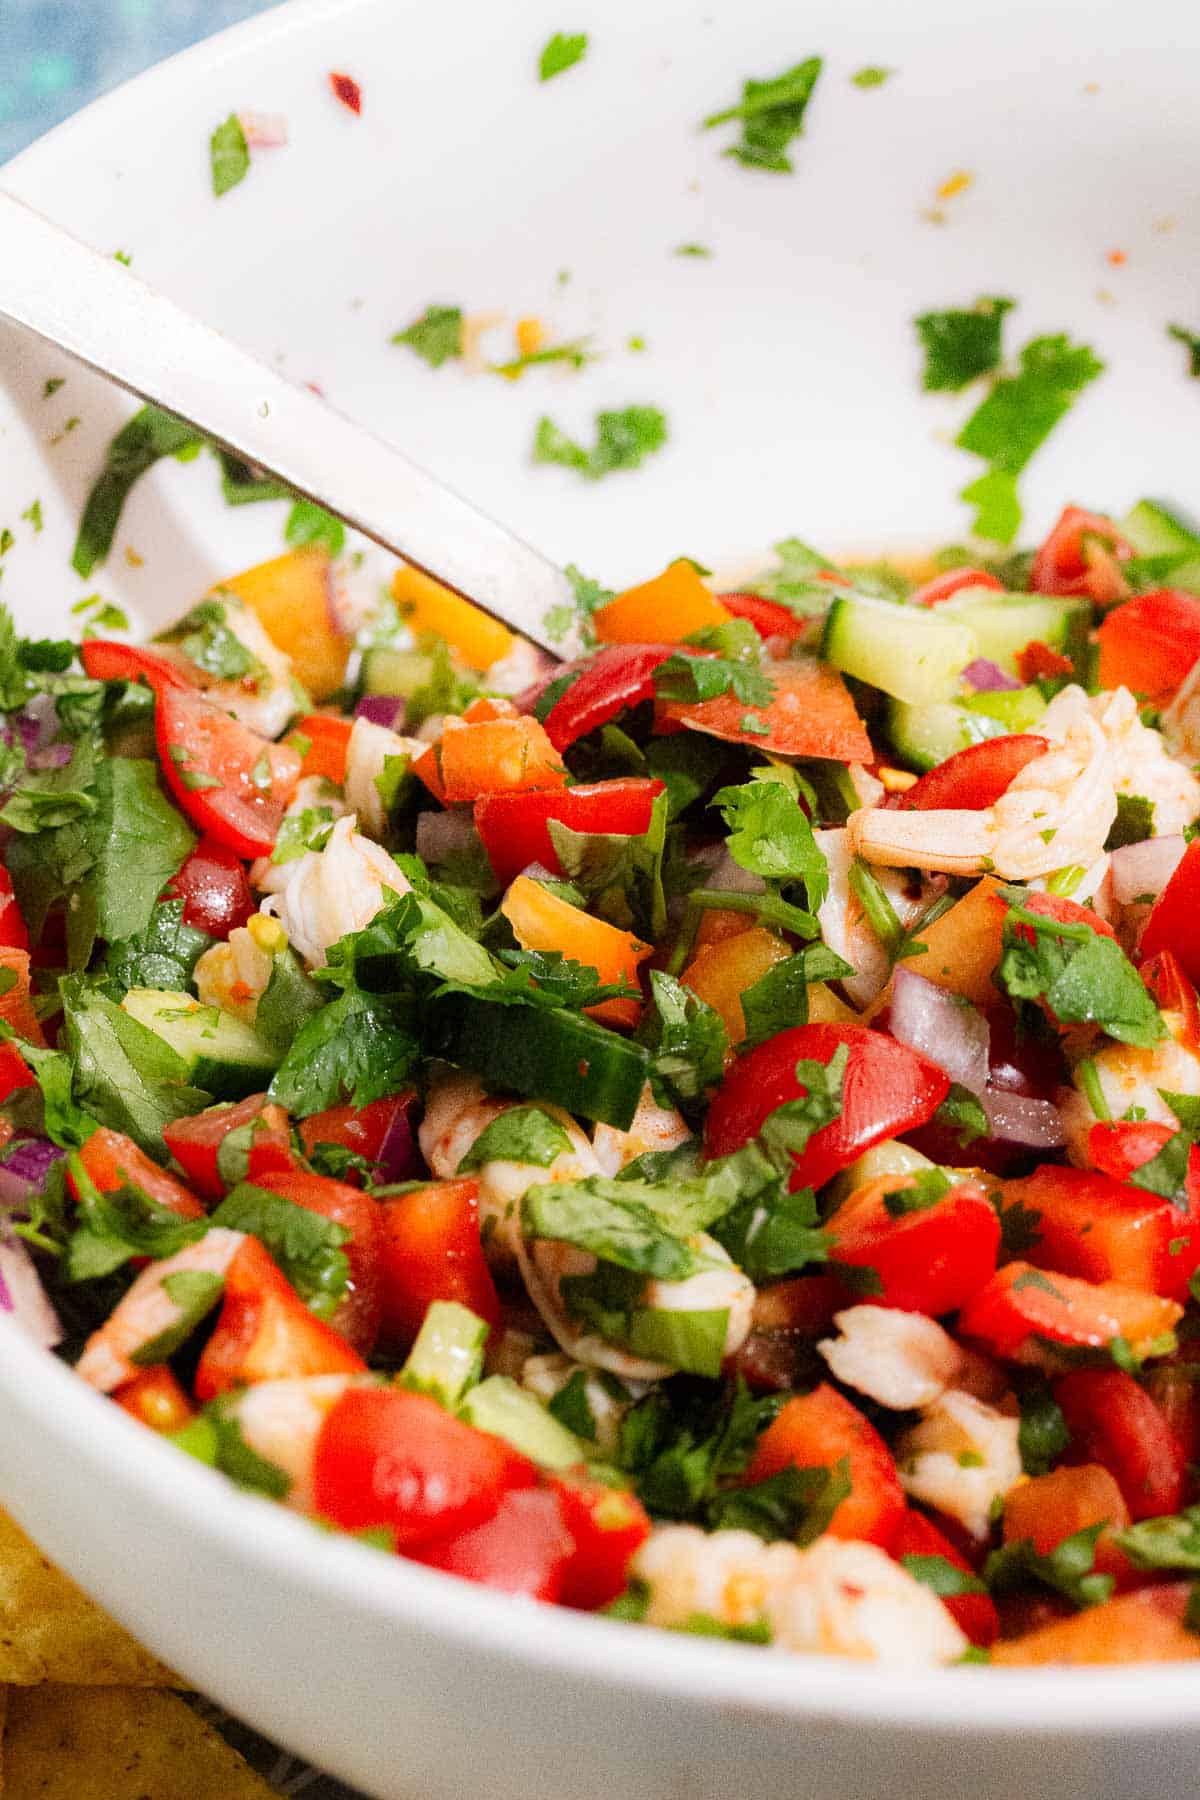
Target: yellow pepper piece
{"points": [[663, 611], [721, 973], [541, 921], [291, 595], [530, 335], [428, 606]]}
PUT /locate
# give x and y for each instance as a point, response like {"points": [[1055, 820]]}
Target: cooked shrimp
{"points": [[1058, 810], [267, 698], [457, 1110], [653, 1127], [368, 753], [843, 1598], [899, 1359], [280, 1421], [846, 928], [1131, 1076], [961, 1458], [334, 891], [147, 1310], [606, 1397], [313, 794]]}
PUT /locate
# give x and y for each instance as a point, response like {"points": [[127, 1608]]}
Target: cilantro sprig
{"points": [[771, 114]]}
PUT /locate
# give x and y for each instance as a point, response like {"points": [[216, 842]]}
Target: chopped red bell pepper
{"points": [[359, 1311], [928, 1261], [770, 618], [888, 1089], [944, 587], [617, 677], [432, 1251], [1174, 993], [111, 1160], [609, 1525], [365, 1130], [816, 1431], [14, 1070], [1094, 1225], [13, 934], [974, 1614], [1114, 1422], [266, 1333], [1038, 662], [515, 828], [1172, 922], [1021, 1304], [104, 659]]}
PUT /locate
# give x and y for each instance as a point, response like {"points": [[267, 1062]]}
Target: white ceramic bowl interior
{"points": [[787, 366]]}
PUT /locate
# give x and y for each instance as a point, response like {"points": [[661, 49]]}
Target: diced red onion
{"points": [[1035, 1124], [1145, 868], [23, 1173], [930, 1019], [54, 756], [440, 834], [22, 1295], [399, 1154], [382, 709], [988, 678], [264, 131]]}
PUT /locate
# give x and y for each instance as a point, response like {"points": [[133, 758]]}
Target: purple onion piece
{"points": [[988, 678], [930, 1019], [399, 1154], [382, 709], [1016, 1119], [23, 1174]]}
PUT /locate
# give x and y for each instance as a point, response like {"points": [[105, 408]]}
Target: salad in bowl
{"points": [[705, 1131]]}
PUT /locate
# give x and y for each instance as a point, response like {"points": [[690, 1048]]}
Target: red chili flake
{"points": [[1117, 258], [347, 91], [1037, 661]]}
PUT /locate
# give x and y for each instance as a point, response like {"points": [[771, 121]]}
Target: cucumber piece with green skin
{"points": [[1003, 624], [1154, 530], [386, 671], [924, 736], [510, 1412], [905, 651], [546, 1054], [223, 1055], [447, 1358]]}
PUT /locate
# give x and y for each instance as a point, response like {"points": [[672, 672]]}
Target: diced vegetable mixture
{"points": [[705, 1132]]}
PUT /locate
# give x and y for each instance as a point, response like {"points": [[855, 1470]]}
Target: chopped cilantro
{"points": [[686, 1040], [33, 516], [521, 1134], [308, 523], [1043, 1434], [563, 51], [873, 75], [997, 507], [53, 383], [1133, 823], [1191, 341], [693, 679], [436, 336], [779, 999], [623, 441], [1080, 975], [945, 1578], [771, 114], [145, 438], [306, 1245], [961, 343], [229, 155], [692, 250], [1172, 1542], [353, 1049], [796, 1504], [770, 836], [213, 645], [574, 353], [306, 830], [1069, 1569]]}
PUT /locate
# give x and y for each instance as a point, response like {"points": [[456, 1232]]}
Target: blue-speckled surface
{"points": [[56, 55]]}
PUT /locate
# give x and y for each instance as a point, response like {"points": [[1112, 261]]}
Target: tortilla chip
{"points": [[73, 1743], [50, 1631]]}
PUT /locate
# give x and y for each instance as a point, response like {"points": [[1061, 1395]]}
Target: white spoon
{"points": [[98, 311]]}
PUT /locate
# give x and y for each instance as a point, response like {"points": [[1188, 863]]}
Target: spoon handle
{"points": [[101, 313]]}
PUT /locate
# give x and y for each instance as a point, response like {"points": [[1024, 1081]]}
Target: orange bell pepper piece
{"points": [[663, 611], [16, 1006], [1143, 1627], [1053, 1507], [292, 595], [428, 606], [328, 744], [541, 921], [721, 973], [495, 756]]}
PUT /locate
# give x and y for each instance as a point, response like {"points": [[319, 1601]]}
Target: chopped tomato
{"points": [[328, 745], [111, 1160], [14, 1070], [214, 888], [366, 1130], [888, 1089], [944, 587], [770, 618], [810, 713], [16, 1002], [13, 935], [1150, 643], [432, 1251], [1052, 1507], [929, 1261], [1094, 1225], [229, 781], [973, 778], [1082, 555], [385, 1457], [1063, 912], [195, 1142], [974, 1614], [1119, 1146], [156, 1399], [1038, 662], [494, 756], [1143, 1627], [609, 1525], [524, 1548], [1021, 1304], [1114, 1422], [106, 660], [818, 1430], [515, 828], [617, 677], [1172, 922], [266, 1333], [360, 1309], [1174, 993], [673, 606]]}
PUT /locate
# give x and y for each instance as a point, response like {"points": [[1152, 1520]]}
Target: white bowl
{"points": [[788, 369]]}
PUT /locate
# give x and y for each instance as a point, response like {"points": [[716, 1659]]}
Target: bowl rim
{"points": [[47, 1396]]}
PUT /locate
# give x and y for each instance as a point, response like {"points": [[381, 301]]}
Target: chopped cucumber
{"points": [[904, 651], [222, 1055], [1155, 531], [387, 671], [447, 1357], [1002, 624], [924, 736], [498, 1405]]}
